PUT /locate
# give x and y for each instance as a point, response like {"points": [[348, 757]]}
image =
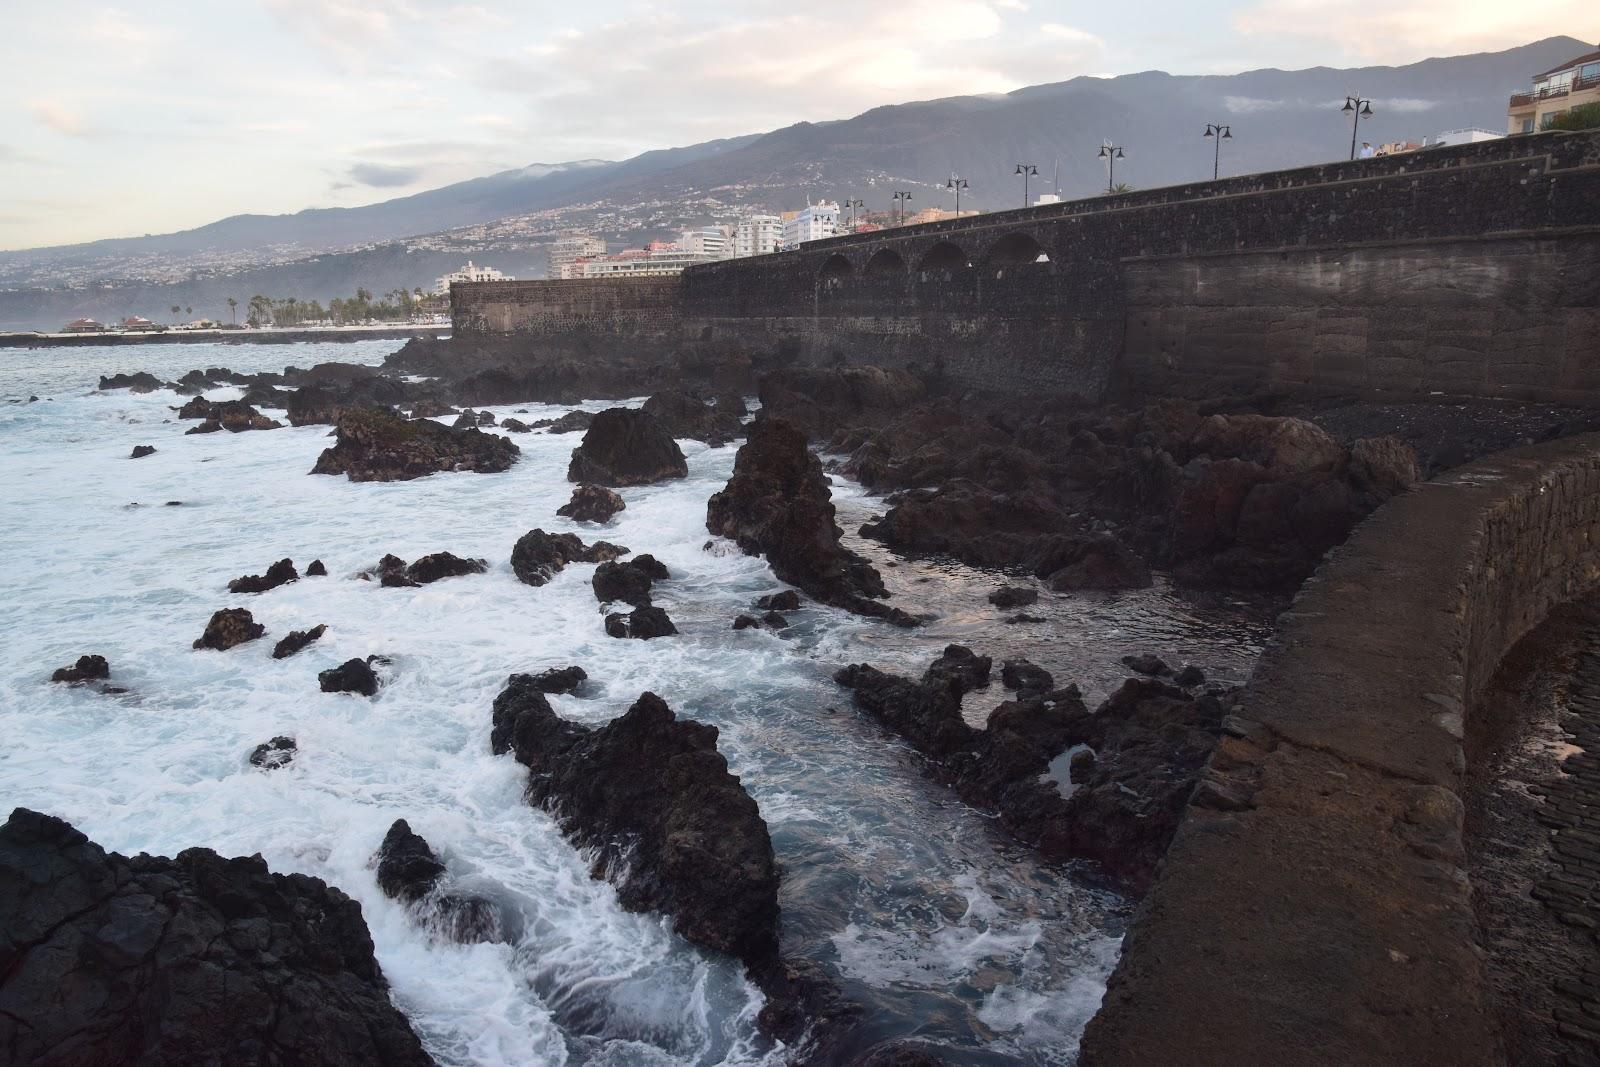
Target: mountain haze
{"points": [[1278, 119]]}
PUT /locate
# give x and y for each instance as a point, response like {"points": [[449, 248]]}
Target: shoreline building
{"points": [[1554, 93], [470, 273], [813, 223], [657, 259], [713, 241], [567, 250], [756, 235]]}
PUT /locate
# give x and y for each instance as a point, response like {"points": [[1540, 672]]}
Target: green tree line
{"points": [[397, 305]]}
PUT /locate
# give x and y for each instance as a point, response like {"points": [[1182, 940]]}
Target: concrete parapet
{"points": [[1314, 906]]}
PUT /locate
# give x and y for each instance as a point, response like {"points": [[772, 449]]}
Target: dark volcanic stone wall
{"points": [[1467, 270]]}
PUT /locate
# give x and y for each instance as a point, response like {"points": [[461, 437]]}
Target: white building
{"points": [[756, 235], [470, 273], [566, 251], [1469, 135], [813, 223], [712, 241], [656, 261]]}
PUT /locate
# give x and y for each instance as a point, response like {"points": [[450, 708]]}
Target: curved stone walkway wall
{"points": [[1314, 906]]}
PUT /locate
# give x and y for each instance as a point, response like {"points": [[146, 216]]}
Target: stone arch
{"points": [[1017, 249], [946, 255], [836, 270], [885, 262]]}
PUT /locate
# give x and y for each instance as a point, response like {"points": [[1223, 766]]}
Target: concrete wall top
{"points": [[1314, 906]]}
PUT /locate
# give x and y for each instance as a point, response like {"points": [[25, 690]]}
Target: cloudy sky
{"points": [[153, 115]]}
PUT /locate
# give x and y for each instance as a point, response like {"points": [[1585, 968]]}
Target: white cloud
{"points": [[60, 118], [1249, 105], [1403, 31]]}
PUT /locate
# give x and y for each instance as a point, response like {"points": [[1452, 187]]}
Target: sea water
{"points": [[926, 914]]}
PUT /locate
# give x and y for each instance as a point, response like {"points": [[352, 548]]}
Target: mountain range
{"points": [[1277, 119]]}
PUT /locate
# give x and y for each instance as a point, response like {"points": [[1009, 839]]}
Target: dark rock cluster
{"points": [[377, 446], [777, 504], [1108, 785], [626, 447], [394, 572], [229, 627], [235, 416], [91, 668], [296, 640], [651, 795], [408, 871], [107, 959], [352, 676], [275, 754], [280, 573], [538, 557], [682, 415], [592, 503]]}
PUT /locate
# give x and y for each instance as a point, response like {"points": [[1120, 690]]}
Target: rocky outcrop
{"points": [[821, 401], [280, 573], [107, 959], [296, 640], [626, 447], [408, 871], [629, 581], [592, 503], [1013, 596], [538, 557], [511, 425], [651, 795], [1108, 785], [571, 422], [1088, 561], [558, 679], [137, 382], [437, 565], [317, 569], [275, 754], [325, 402], [235, 416], [229, 627], [644, 623], [376, 446], [788, 600], [89, 668], [351, 676], [682, 415], [141, 451], [777, 505]]}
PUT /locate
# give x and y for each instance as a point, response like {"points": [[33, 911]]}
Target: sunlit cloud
{"points": [[60, 118]]}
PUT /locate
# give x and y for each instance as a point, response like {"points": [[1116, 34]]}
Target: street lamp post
{"points": [[1026, 169], [854, 207], [902, 196], [1357, 109], [957, 184], [1111, 153], [1218, 134]]}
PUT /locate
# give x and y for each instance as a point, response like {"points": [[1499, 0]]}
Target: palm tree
{"points": [[260, 308], [175, 310], [233, 316]]}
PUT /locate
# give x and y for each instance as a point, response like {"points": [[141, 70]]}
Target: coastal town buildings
{"points": [[711, 241], [84, 326], [657, 259], [756, 235], [567, 250], [812, 223], [470, 273], [1554, 93]]}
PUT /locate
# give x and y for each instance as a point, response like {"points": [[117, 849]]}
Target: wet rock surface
{"points": [[325, 402], [1109, 785], [559, 680], [90, 668], [682, 415], [141, 451], [629, 581], [351, 676], [671, 828], [195, 959], [777, 504], [538, 557], [375, 446], [592, 503], [408, 871], [229, 627], [235, 416], [137, 382], [275, 754], [434, 566], [645, 623], [280, 573], [296, 640], [626, 447]]}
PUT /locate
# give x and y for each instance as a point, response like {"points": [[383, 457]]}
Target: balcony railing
{"points": [[1577, 85]]}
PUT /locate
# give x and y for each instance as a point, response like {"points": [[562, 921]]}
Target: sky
{"points": [[149, 116]]}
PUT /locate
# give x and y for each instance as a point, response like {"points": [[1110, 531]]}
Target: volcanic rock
{"points": [[271, 755], [571, 422], [431, 568], [644, 623], [376, 446], [1013, 596], [1088, 561], [788, 600], [628, 581], [141, 451], [820, 401], [137, 382], [317, 569], [538, 556], [681, 415], [960, 668], [652, 796], [351, 676], [296, 640], [280, 573], [1025, 677], [1146, 663], [515, 426], [1189, 677], [326, 401], [196, 959], [407, 868], [928, 713], [559, 680], [746, 622], [229, 627], [773, 621], [235, 416], [89, 668], [626, 447], [592, 503], [777, 504]]}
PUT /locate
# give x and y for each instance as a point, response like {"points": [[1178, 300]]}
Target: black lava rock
{"points": [[88, 669], [351, 676], [280, 573], [644, 623], [296, 640], [559, 680], [229, 627], [141, 451], [271, 755]]}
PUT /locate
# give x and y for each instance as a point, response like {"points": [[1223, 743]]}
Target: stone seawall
{"points": [[1471, 270], [1314, 906]]}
